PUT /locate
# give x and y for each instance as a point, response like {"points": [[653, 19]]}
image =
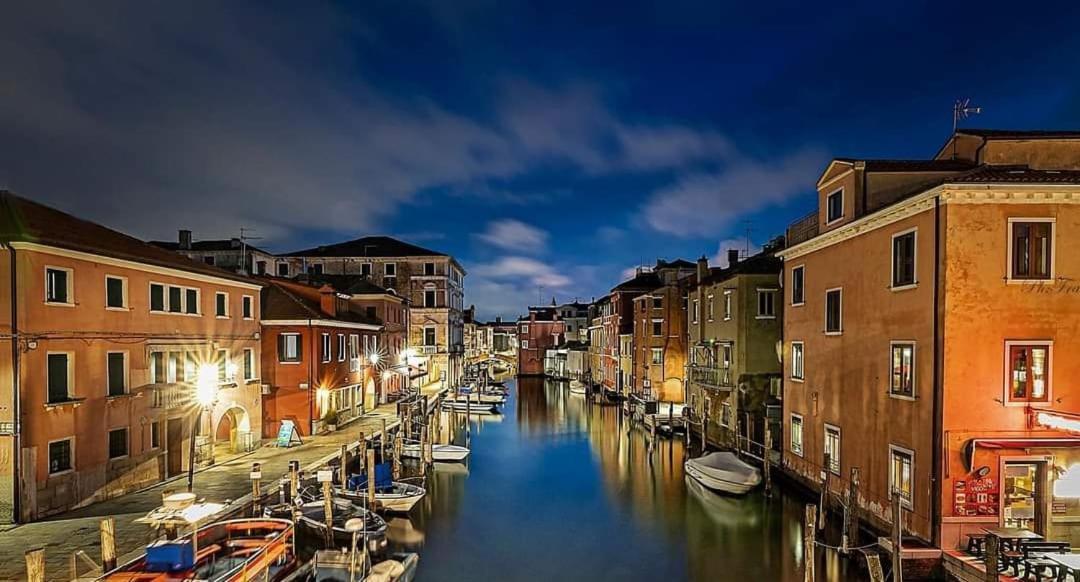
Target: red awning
{"points": [[1017, 443]]}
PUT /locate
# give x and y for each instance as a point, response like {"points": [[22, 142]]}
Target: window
{"points": [[248, 307], [834, 311], [658, 356], [1029, 371], [902, 381], [283, 269], [341, 347], [157, 297], [226, 372], [901, 473], [221, 304], [59, 377], [709, 308], [325, 350], [390, 269], [316, 269], [798, 291], [115, 292], [657, 302], [365, 269], [657, 327], [116, 363], [429, 298], [697, 308], [834, 206], [725, 355], [766, 303], [118, 443], [796, 434], [354, 346], [1031, 249], [429, 269], [832, 448], [727, 305], [176, 299], [289, 348], [725, 414], [155, 435], [643, 306], [157, 368], [249, 364], [903, 259], [191, 299], [58, 285], [60, 456], [429, 337], [797, 361], [524, 329], [191, 366], [524, 344]]}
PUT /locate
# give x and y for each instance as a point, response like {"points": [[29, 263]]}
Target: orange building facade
{"points": [[929, 317]]}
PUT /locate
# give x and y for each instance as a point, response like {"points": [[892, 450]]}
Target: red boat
{"points": [[226, 551]]}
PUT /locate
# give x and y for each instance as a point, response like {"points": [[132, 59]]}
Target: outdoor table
{"points": [[1011, 535], [1070, 563]]}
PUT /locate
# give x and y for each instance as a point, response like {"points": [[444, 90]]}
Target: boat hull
{"points": [[400, 501], [720, 480], [446, 453]]}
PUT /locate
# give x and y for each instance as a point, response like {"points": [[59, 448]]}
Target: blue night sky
{"points": [[546, 145]]}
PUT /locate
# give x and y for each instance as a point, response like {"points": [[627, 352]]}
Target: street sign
{"points": [[287, 435]]}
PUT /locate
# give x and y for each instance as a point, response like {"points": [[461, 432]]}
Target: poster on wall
{"points": [[976, 495]]}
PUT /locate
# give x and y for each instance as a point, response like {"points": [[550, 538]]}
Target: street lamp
{"points": [[206, 387]]}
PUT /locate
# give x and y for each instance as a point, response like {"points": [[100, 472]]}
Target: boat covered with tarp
{"points": [[723, 471]]}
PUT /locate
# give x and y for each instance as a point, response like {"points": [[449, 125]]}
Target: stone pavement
{"points": [[66, 533]]}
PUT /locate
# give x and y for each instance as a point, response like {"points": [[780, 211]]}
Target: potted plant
{"points": [[330, 420]]}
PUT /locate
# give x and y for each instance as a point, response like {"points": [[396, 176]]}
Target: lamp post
{"points": [[206, 386]]}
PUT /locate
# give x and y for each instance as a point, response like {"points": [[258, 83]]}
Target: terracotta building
{"points": [[433, 283], [930, 310], [617, 320], [113, 340], [537, 332], [328, 355], [659, 351]]}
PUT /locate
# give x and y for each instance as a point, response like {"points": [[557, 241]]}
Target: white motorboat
{"points": [[493, 399], [470, 407], [444, 453], [577, 387], [723, 471], [399, 497]]}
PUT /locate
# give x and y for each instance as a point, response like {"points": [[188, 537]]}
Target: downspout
{"points": [[938, 421], [16, 374], [312, 391]]}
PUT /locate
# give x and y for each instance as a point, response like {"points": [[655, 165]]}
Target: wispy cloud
{"points": [[514, 235], [531, 271]]}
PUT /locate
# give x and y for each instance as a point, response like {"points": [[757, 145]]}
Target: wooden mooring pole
{"points": [[108, 544], [35, 565], [705, 424], [850, 535], [423, 450], [328, 506], [371, 479], [343, 473], [826, 472], [766, 464], [294, 480], [992, 547], [384, 438], [810, 543], [897, 538]]}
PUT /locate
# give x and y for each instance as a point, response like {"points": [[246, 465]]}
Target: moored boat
{"points": [[470, 407], [723, 471], [445, 453], [398, 496], [485, 399], [577, 387], [311, 515]]}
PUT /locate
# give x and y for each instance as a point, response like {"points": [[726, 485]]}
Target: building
{"points": [[930, 312], [116, 350], [734, 325], [617, 319], [433, 283], [504, 338], [232, 254], [538, 332], [598, 342], [576, 317], [321, 357], [469, 334], [658, 325]]}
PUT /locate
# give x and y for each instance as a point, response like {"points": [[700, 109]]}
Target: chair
{"points": [[975, 544], [1036, 563]]}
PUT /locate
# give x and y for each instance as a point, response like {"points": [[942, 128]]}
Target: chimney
{"points": [[732, 257], [328, 300], [702, 268], [185, 240]]}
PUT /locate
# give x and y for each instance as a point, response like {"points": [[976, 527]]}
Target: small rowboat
{"points": [[485, 399], [223, 551], [311, 515], [399, 496], [445, 453], [470, 407], [724, 472]]}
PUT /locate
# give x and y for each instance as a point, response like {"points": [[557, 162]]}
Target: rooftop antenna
{"points": [[962, 109], [244, 237], [749, 229]]}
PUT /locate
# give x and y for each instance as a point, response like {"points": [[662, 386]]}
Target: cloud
{"points": [[702, 204], [514, 235], [531, 271], [720, 259]]}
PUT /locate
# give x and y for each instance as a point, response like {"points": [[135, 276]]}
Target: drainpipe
{"points": [[312, 391], [936, 475], [16, 374]]}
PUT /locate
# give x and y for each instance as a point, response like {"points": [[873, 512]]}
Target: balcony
{"points": [[711, 377], [803, 229], [169, 396], [429, 349]]}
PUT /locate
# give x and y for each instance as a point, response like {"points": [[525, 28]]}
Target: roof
{"points": [[641, 282], [351, 284], [24, 220], [763, 263], [1018, 174], [882, 165], [225, 244], [292, 300], [1021, 133], [368, 246], [676, 264]]}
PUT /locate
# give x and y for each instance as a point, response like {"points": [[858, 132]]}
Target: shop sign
{"points": [[976, 495]]}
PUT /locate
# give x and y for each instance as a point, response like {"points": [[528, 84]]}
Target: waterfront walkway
{"points": [[64, 534]]}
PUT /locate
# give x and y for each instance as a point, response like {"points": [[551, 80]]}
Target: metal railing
{"points": [[803, 229], [717, 377]]}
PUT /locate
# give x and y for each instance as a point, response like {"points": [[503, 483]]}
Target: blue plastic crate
{"points": [[170, 556]]}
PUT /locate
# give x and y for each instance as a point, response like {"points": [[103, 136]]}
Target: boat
{"points": [[577, 387], [493, 399], [310, 514], [470, 407], [723, 471], [334, 565], [397, 496], [722, 509], [445, 453], [223, 551]]}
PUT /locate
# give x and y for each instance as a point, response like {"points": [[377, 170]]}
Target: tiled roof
{"points": [[24, 220], [1022, 133], [918, 165], [676, 264], [291, 300], [641, 282], [1019, 174], [368, 246], [763, 263]]}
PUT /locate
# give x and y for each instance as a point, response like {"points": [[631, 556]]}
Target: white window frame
{"points": [[652, 328], [326, 346], [802, 269], [389, 269], [834, 463], [831, 221], [127, 374], [1009, 251], [70, 291], [342, 347], [525, 328], [1007, 381], [154, 425], [725, 414], [184, 302], [802, 434], [914, 369], [168, 299], [299, 352], [697, 309], [893, 449], [249, 302], [227, 313], [123, 291], [73, 459], [768, 290], [915, 258], [710, 307], [524, 344], [826, 326], [727, 304], [249, 354], [798, 365], [127, 443], [652, 356]]}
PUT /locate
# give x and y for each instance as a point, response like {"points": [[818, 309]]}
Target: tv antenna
{"points": [[962, 109], [244, 237]]}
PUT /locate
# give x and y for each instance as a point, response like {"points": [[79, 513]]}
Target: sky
{"points": [[551, 147]]}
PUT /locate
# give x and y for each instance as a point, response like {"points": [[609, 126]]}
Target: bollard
{"points": [[897, 539], [824, 504], [343, 472], [35, 565], [810, 542], [371, 479], [108, 544], [327, 480], [256, 478]]}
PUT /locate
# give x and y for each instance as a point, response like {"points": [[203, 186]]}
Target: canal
{"points": [[558, 488]]}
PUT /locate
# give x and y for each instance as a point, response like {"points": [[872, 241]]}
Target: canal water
{"points": [[558, 488]]}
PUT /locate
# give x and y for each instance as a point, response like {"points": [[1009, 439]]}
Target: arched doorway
{"points": [[233, 431], [370, 397]]}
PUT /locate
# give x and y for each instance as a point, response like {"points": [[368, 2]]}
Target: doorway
{"points": [[1023, 502], [174, 446]]}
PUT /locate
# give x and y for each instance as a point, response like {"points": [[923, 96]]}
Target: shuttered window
{"points": [[117, 373]]}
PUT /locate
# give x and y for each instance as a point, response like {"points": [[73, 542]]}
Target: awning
{"points": [[1016, 443]]}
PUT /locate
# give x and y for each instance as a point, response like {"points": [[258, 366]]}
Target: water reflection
{"points": [[564, 488]]}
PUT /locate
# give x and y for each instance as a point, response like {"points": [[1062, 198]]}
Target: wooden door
{"points": [[174, 446]]}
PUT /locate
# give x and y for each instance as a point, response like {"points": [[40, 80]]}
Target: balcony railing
{"points": [[711, 376], [803, 229], [169, 396], [430, 349]]}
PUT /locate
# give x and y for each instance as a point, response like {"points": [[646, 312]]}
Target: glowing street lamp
{"points": [[206, 389]]}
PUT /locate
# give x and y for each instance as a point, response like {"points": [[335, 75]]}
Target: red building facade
{"points": [[538, 332]]}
